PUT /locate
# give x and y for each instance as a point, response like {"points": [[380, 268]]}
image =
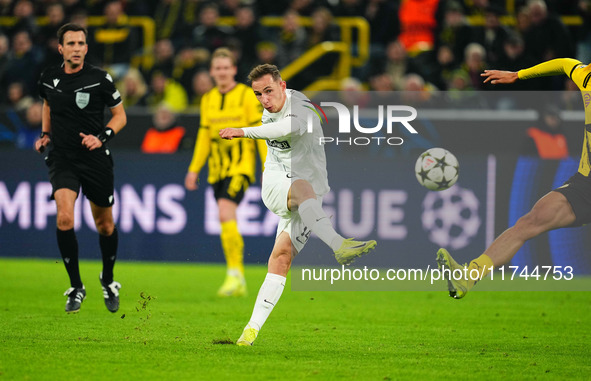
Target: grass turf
{"points": [[172, 326]]}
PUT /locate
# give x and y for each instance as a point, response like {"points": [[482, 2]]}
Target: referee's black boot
{"points": [[111, 294], [75, 298]]}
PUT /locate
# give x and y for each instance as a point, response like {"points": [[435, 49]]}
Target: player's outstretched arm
{"points": [[497, 77], [231, 133]]}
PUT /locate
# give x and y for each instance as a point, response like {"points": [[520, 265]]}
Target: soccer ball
{"points": [[437, 169]]}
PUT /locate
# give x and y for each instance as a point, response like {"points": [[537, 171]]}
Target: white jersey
{"points": [[298, 153]]}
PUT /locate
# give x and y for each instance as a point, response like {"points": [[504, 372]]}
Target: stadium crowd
{"points": [[414, 44]]}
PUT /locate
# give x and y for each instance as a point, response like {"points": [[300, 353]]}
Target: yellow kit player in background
{"points": [[232, 163], [566, 206]]}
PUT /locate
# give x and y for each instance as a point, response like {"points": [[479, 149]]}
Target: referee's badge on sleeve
{"points": [[82, 99]]}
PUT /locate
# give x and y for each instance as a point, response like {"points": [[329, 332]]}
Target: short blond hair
{"points": [[224, 53]]}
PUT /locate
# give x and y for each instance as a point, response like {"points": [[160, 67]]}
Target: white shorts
{"points": [[275, 189]]}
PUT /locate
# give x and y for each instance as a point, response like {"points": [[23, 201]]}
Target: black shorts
{"points": [[91, 170], [231, 188], [577, 191]]}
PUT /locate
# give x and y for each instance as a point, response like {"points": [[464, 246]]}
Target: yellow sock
{"points": [[482, 264], [233, 246]]}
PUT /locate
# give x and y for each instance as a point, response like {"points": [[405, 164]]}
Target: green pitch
{"points": [[172, 327]]}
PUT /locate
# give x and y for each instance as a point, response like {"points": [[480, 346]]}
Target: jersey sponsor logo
{"points": [[55, 82], [82, 99], [280, 145], [587, 99]]}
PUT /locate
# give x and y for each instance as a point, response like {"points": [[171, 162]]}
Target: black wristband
{"points": [[43, 133], [106, 135]]}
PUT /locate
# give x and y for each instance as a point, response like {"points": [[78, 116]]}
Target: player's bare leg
{"points": [[552, 211], [271, 289], [303, 199], [108, 241], [68, 246], [233, 247]]}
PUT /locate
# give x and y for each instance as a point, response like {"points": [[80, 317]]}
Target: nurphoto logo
{"points": [[385, 115]]}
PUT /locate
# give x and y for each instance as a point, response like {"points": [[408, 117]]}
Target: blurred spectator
{"points": [[522, 21], [133, 88], [247, 32], [547, 140], [415, 90], [291, 41], [24, 63], [29, 131], [71, 7], [322, 28], [229, 7], [48, 35], [18, 98], [163, 58], [187, 63], [455, 31], [166, 135], [514, 59], [55, 19], [166, 91], [208, 34], [80, 17], [266, 53], [446, 65], [6, 7], [396, 64], [24, 12], [547, 37], [202, 83], [474, 64], [116, 41], [459, 81], [353, 93], [381, 82], [493, 35], [418, 23]]}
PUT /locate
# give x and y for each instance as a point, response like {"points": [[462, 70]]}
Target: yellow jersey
{"points": [[236, 108], [581, 75]]}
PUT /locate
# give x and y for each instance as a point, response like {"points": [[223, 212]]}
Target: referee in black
{"points": [[75, 95]]}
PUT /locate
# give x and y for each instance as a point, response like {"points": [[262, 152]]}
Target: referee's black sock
{"points": [[109, 250], [68, 245]]}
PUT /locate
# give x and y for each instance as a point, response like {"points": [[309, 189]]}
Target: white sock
{"points": [[314, 217], [268, 296]]}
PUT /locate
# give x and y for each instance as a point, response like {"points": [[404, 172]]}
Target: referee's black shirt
{"points": [[77, 102]]}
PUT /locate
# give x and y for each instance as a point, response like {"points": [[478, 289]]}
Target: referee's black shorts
{"points": [[231, 188], [577, 191], [91, 170]]}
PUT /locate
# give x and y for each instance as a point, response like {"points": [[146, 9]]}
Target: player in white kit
{"points": [[294, 182]]}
